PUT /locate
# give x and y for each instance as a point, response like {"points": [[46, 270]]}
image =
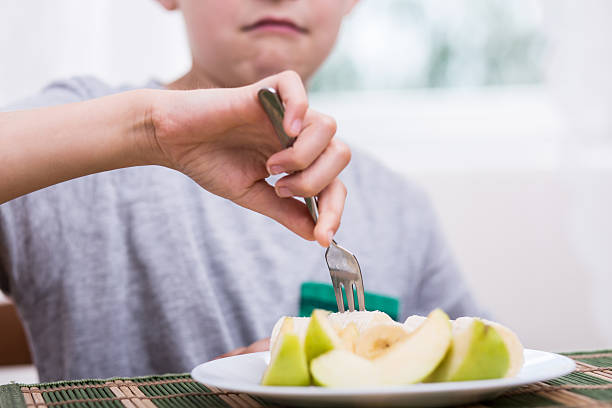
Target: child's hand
{"points": [[223, 140], [259, 345]]}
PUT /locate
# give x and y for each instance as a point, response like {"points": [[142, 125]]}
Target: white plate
{"points": [[243, 373]]}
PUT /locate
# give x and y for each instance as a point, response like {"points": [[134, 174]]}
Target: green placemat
{"points": [[318, 295], [589, 386]]}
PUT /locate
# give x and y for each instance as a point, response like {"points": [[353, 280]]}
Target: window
{"points": [[399, 44]]}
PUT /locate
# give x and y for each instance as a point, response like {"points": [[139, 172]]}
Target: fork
{"points": [[342, 264]]}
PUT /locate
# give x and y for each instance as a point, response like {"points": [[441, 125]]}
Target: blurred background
{"points": [[500, 109]]}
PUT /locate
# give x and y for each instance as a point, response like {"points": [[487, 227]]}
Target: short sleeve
{"points": [[60, 92]]}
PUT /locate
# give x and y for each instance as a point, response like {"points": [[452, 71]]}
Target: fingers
{"points": [[293, 95], [312, 141], [315, 159], [235, 352], [294, 215], [318, 175], [260, 345], [289, 212], [331, 206]]}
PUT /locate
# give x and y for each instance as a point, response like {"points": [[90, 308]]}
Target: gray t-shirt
{"points": [[139, 270]]}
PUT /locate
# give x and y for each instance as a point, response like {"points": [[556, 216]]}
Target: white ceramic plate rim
{"points": [[564, 365]]}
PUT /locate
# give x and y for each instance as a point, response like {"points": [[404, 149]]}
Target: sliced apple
{"points": [[321, 336], [477, 352], [298, 326], [514, 346], [288, 365], [416, 357], [344, 323], [363, 320], [405, 362], [349, 336], [378, 340], [341, 368], [413, 322]]}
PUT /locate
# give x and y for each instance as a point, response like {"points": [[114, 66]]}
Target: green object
{"points": [[316, 295], [588, 389], [288, 366], [478, 352], [320, 336]]}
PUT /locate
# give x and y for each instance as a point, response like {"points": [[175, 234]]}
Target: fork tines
{"points": [[345, 272]]}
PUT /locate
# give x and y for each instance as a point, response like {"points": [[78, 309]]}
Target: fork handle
{"points": [[271, 103]]}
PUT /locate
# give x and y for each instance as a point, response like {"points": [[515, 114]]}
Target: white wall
{"points": [[118, 41], [496, 167], [525, 213]]}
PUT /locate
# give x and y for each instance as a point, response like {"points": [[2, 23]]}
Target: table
{"points": [[589, 386]]}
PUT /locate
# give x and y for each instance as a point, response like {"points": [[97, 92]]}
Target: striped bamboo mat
{"points": [[589, 386]]}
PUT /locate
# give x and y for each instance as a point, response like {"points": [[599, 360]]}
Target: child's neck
{"points": [[199, 79], [194, 79]]}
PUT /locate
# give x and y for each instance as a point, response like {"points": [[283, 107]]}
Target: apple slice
{"points": [[321, 336], [345, 324], [413, 359], [477, 352], [288, 365], [349, 336], [363, 319], [514, 346], [341, 368], [413, 322], [299, 326], [405, 362], [379, 339]]}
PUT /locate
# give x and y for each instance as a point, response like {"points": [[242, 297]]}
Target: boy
{"points": [[139, 270]]}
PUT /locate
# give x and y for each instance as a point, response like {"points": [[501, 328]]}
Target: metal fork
{"points": [[343, 266]]}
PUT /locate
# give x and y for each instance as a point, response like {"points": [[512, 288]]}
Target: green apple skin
{"points": [[514, 346], [477, 352], [288, 365], [320, 337], [405, 362]]}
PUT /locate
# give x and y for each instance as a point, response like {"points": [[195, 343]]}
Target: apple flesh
{"points": [[349, 336], [348, 325], [408, 361], [378, 340], [362, 319], [413, 322], [341, 368], [477, 352]]}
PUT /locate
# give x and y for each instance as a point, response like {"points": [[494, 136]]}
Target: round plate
{"points": [[243, 373]]}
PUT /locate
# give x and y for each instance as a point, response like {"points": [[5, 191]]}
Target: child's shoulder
{"points": [[75, 89], [80, 87]]}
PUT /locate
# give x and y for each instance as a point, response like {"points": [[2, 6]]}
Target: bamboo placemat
{"points": [[589, 386]]}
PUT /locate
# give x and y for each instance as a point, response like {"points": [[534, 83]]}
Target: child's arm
{"points": [[46, 146], [219, 137]]}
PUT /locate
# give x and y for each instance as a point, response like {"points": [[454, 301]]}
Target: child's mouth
{"points": [[276, 25]]}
